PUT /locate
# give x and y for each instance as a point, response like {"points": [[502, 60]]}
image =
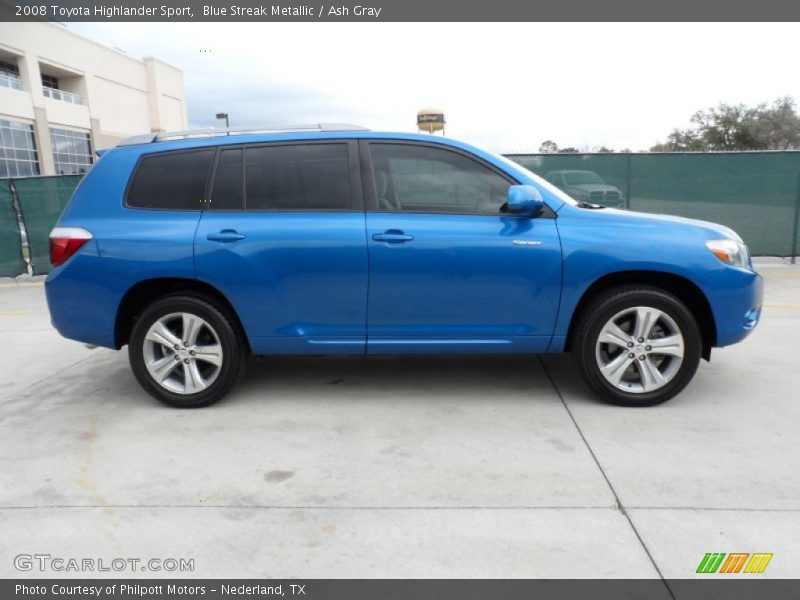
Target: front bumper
{"points": [[736, 296]]}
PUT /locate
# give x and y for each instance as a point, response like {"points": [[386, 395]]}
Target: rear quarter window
{"points": [[173, 180]]}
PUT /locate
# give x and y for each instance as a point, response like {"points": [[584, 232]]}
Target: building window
{"points": [[9, 76], [6, 68], [72, 151], [50, 81], [17, 150]]}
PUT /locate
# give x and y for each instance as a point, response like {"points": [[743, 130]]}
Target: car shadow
{"points": [[467, 376]]}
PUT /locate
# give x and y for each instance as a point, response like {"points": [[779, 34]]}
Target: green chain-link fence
{"points": [[42, 199], [39, 202], [755, 193], [11, 261]]}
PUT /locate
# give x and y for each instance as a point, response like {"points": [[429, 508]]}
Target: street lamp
{"points": [[224, 116]]}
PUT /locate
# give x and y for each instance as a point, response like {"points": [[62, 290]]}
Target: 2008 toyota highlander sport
{"points": [[195, 250]]}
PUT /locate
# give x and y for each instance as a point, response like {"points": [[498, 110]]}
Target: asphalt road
{"points": [[400, 467]]}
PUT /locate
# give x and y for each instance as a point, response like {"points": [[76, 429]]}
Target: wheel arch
{"points": [[684, 289], [145, 292]]}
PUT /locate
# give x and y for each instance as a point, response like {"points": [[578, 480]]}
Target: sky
{"points": [[504, 86]]}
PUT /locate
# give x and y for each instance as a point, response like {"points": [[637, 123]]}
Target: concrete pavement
{"points": [[400, 467]]}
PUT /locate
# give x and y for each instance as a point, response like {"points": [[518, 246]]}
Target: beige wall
{"points": [[121, 95], [16, 103], [121, 110], [167, 95]]}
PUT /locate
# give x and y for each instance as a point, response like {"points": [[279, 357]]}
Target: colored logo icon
{"points": [[734, 562]]}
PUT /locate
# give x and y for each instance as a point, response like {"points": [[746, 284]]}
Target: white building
{"points": [[63, 96]]}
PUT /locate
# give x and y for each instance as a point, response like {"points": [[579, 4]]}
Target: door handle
{"points": [[392, 236], [226, 235]]}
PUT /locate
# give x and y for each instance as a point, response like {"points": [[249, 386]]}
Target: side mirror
{"points": [[524, 200]]}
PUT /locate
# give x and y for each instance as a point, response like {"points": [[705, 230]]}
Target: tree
{"points": [[570, 150], [777, 127], [548, 147], [680, 141], [738, 127], [726, 127]]}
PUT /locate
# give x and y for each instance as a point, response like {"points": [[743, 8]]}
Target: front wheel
{"points": [[185, 351], [637, 345]]}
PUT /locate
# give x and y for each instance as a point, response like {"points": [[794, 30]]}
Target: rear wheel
{"points": [[186, 352], [637, 345]]}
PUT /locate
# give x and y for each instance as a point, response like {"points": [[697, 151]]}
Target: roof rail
{"points": [[152, 138]]}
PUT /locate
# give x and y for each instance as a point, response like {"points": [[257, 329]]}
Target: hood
{"points": [[592, 187], [713, 230]]}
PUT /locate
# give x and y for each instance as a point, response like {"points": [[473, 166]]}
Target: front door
{"points": [[448, 271]]}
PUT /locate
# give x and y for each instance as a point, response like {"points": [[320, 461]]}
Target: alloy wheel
{"points": [[640, 349], [182, 353]]}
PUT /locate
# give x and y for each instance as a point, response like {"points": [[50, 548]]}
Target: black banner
{"points": [[403, 589], [400, 10]]}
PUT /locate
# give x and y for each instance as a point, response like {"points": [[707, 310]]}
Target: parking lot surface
{"points": [[429, 467]]}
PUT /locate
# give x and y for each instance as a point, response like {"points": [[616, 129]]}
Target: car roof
{"points": [[159, 136], [154, 143]]}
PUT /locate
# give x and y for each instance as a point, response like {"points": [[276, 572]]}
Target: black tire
{"points": [[609, 304], [234, 354]]}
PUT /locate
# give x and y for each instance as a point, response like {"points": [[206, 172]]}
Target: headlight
{"points": [[730, 252]]}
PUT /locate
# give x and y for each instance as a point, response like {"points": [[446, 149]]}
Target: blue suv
{"points": [[196, 249]]}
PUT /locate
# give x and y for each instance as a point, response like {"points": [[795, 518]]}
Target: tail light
{"points": [[65, 241]]}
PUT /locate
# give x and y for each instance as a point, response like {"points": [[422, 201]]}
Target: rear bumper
{"points": [[80, 308], [735, 296]]}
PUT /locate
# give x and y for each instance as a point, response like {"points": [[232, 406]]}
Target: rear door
{"points": [[449, 272], [283, 238]]}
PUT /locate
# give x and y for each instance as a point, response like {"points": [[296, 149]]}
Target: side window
{"points": [[227, 191], [412, 178], [297, 177], [175, 180]]}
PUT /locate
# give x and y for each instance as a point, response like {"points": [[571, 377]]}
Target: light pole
{"points": [[224, 116]]}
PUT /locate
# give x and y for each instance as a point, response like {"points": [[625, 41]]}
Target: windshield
{"points": [[581, 177], [540, 181]]}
